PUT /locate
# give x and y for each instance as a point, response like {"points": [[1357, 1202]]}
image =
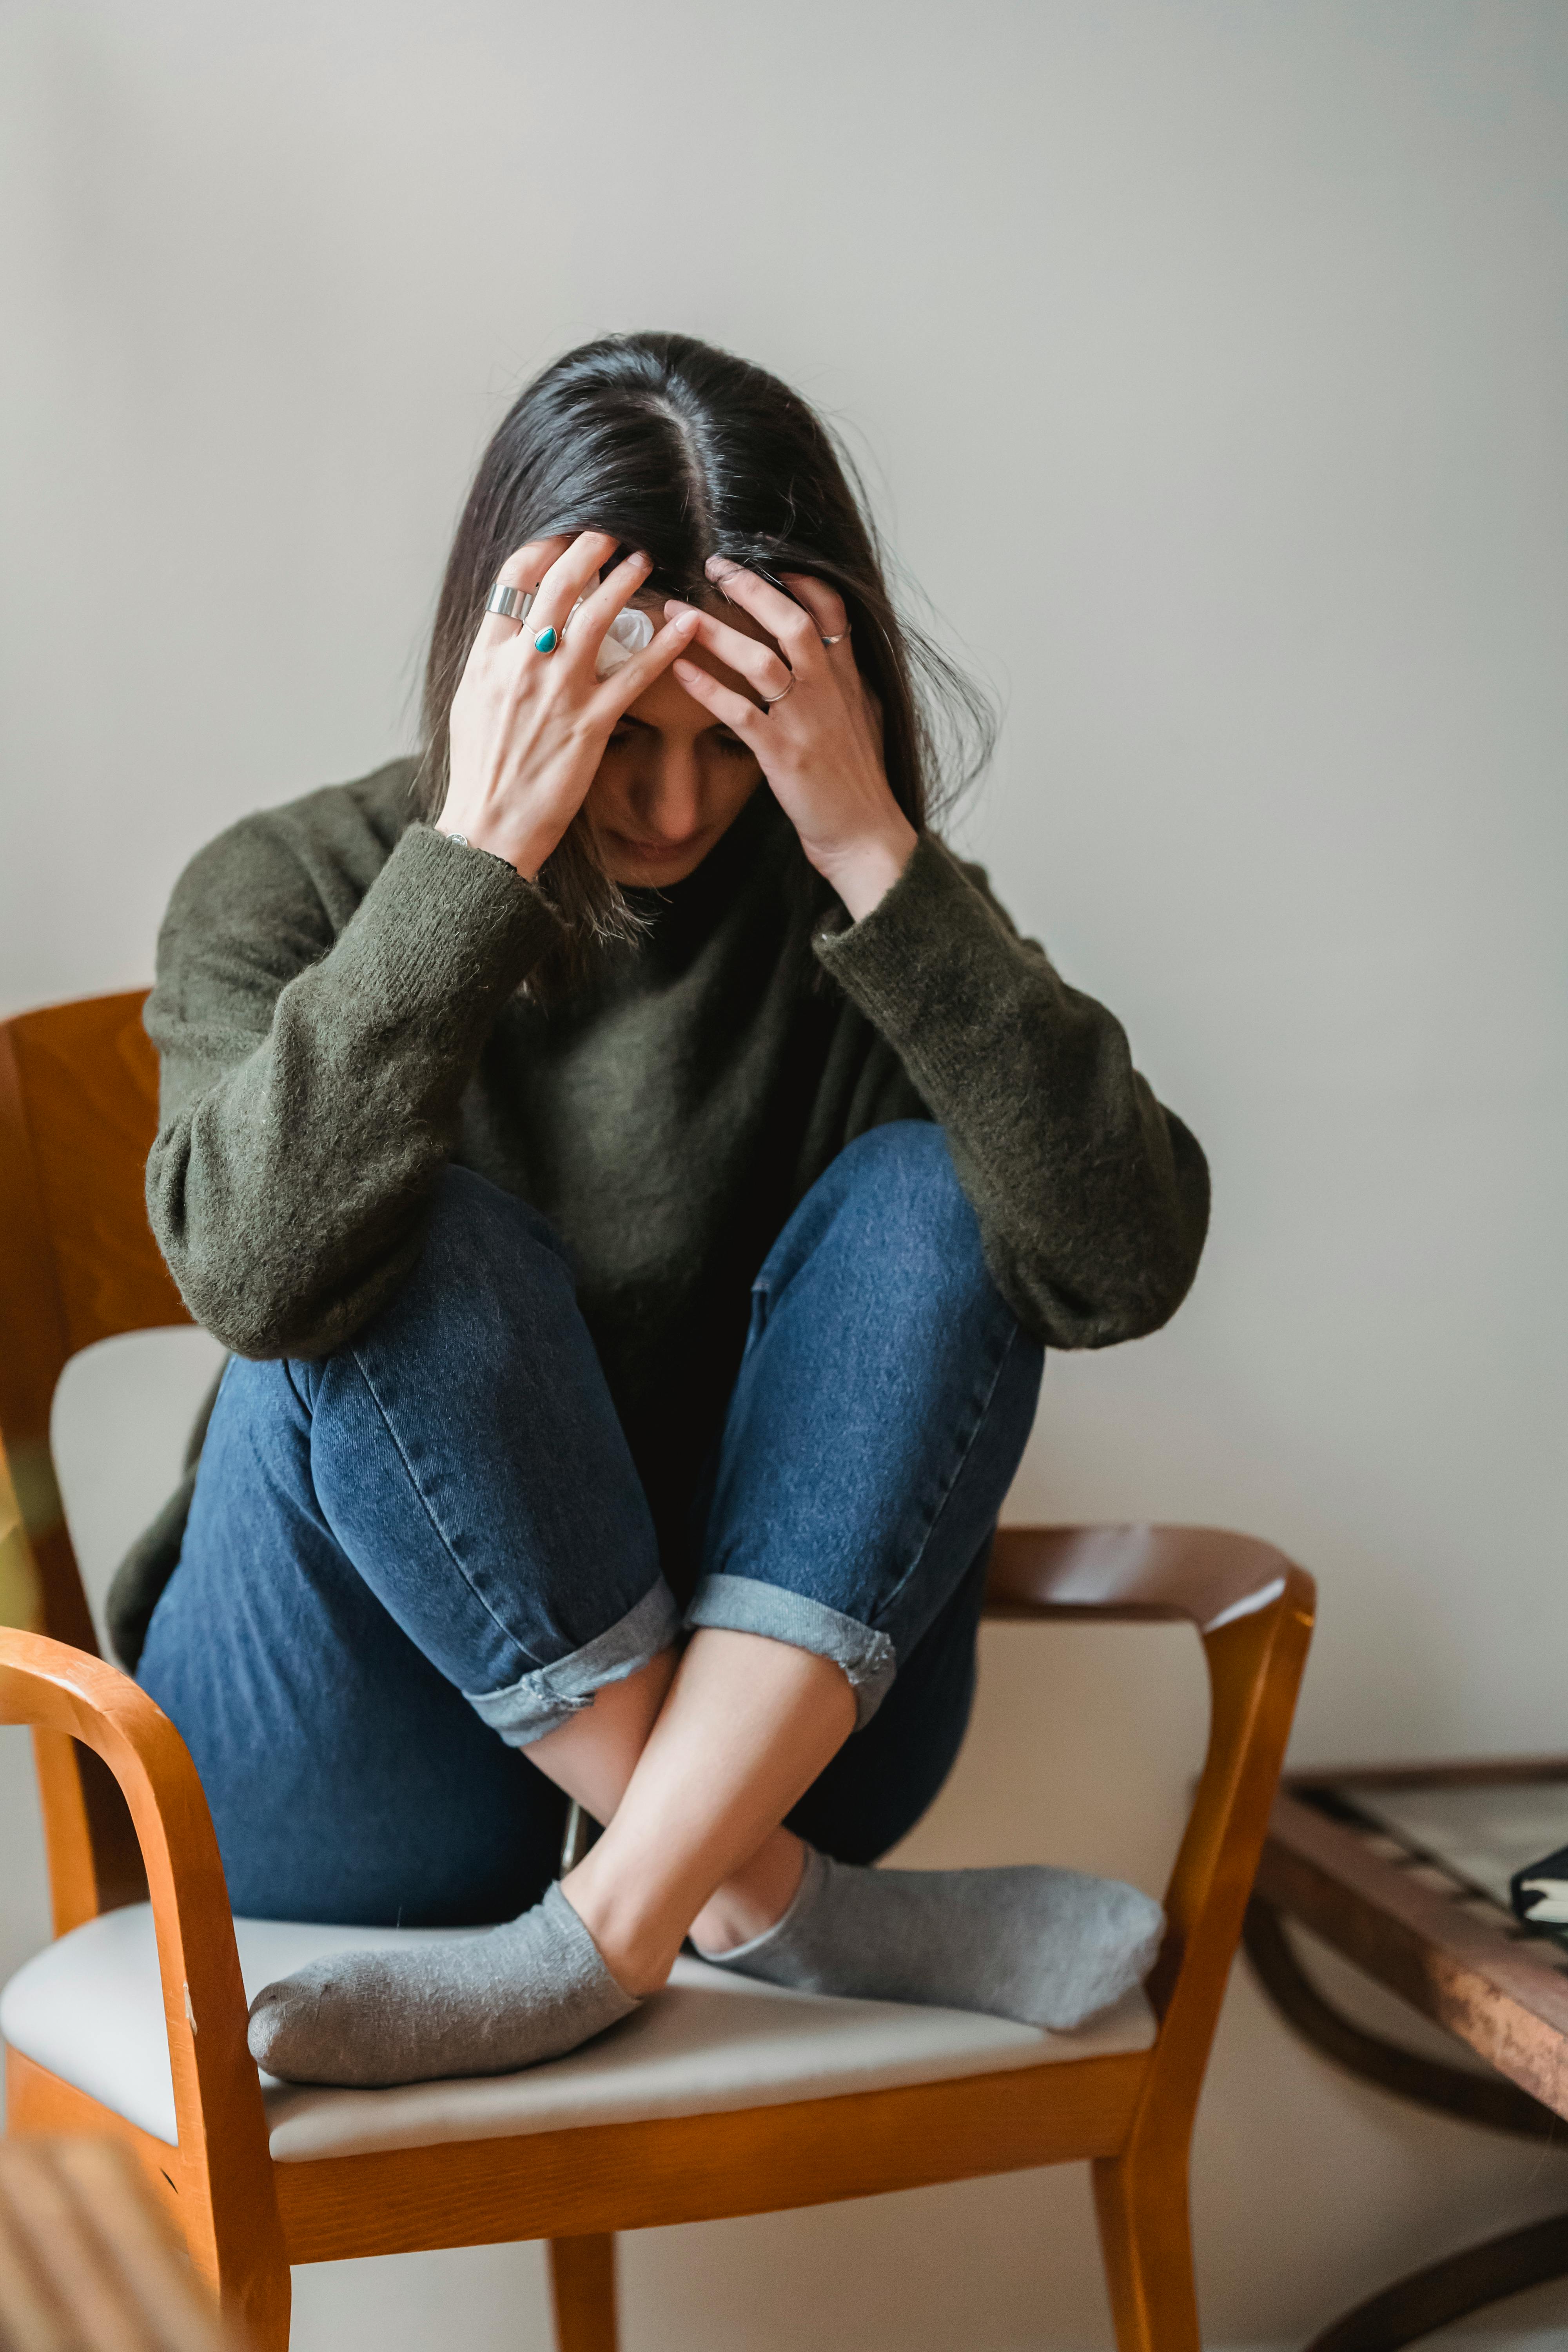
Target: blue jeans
{"points": [[408, 1559]]}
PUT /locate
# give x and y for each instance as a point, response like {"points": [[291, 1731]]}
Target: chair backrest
{"points": [[79, 1109]]}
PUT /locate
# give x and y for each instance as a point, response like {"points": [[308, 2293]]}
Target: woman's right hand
{"points": [[528, 729]]}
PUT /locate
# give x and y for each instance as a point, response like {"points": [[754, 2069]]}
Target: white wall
{"points": [[1211, 358]]}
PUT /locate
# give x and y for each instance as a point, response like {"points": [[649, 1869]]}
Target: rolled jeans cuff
{"points": [[549, 1697], [742, 1604]]}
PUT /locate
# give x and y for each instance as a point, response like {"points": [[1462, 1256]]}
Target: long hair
{"points": [[667, 445]]}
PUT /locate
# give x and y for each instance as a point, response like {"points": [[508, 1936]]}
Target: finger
{"points": [[759, 664], [618, 692], [594, 617], [795, 629], [826, 607], [733, 710], [523, 570], [568, 577]]}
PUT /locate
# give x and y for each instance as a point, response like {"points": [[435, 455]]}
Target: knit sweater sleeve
{"points": [[1092, 1200], [312, 1071]]}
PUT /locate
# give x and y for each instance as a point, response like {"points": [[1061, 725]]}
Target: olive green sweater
{"points": [[340, 1011]]}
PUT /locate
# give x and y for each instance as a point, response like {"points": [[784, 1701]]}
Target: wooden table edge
{"points": [[1490, 1992]]}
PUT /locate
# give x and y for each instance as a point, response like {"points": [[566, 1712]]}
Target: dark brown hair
{"points": [[673, 446]]}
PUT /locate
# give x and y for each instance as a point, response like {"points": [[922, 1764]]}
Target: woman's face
{"points": [[671, 781]]}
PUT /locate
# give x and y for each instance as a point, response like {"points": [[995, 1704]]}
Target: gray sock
{"points": [[478, 2005], [1046, 1946]]}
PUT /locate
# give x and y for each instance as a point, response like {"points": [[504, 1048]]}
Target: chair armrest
{"points": [[218, 2093], [1253, 1609]]}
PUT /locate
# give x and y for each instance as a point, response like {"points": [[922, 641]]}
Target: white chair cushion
{"points": [[90, 2009]]}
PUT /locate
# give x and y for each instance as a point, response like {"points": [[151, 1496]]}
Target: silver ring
{"points": [[511, 604], [838, 640], [769, 700]]}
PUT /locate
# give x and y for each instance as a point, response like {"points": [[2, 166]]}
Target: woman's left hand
{"points": [[818, 740]]}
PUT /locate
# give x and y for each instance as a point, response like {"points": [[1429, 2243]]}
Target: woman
{"points": [[638, 1169]]}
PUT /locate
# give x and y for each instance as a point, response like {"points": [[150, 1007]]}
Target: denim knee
{"points": [[893, 1192], [904, 1173], [483, 1248], [468, 1211], [485, 1253]]}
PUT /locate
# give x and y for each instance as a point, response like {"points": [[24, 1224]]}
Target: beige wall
{"points": [[1211, 361]]}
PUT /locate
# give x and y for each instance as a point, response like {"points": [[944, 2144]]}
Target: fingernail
{"points": [[718, 567], [673, 604], [640, 555]]}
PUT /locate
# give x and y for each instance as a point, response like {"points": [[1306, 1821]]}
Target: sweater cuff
{"points": [[451, 923], [913, 963]]}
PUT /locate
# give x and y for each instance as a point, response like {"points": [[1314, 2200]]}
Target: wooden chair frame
{"points": [[125, 1819]]}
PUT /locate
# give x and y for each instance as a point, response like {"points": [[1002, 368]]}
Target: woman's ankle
{"points": [[638, 1940], [754, 1899]]}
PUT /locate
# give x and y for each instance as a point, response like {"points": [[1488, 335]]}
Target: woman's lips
{"points": [[653, 852]]}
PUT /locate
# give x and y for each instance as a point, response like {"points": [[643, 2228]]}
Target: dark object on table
{"points": [[1410, 1873], [1539, 1892]]}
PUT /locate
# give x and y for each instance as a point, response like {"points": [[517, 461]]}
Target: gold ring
{"points": [[838, 640]]}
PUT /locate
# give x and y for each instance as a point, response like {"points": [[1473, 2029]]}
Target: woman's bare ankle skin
{"points": [[639, 1947], [639, 1936], [754, 1898], [695, 1844], [594, 1754]]}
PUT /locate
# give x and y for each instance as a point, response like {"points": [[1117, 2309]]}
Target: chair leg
{"points": [[264, 2315], [1146, 2239], [253, 2288], [582, 2290]]}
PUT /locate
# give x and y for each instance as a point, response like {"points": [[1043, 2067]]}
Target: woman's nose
{"points": [[673, 807]]}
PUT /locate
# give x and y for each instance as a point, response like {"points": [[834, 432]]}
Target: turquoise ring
{"points": [[546, 641]]}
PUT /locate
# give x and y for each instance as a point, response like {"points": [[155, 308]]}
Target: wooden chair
{"points": [[125, 1819]]}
